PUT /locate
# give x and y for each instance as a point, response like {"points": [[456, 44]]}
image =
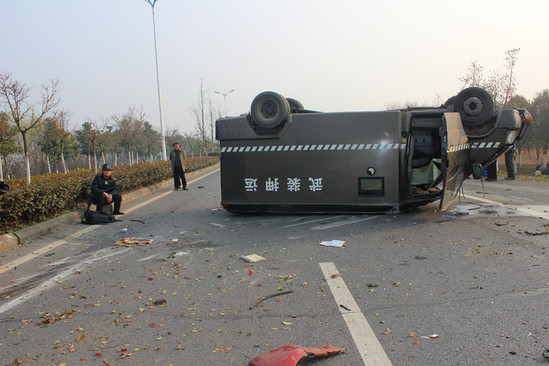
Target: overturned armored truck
{"points": [[281, 157]]}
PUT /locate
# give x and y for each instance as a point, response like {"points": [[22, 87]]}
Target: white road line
{"points": [[366, 341], [44, 249], [524, 210], [57, 243], [343, 223], [52, 281], [149, 257]]}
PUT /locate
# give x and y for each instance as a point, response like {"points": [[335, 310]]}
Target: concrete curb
{"points": [[10, 240]]}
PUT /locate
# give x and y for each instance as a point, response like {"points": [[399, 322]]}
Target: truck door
{"points": [[454, 158]]}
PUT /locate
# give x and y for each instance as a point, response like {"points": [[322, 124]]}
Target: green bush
{"points": [[51, 194]]}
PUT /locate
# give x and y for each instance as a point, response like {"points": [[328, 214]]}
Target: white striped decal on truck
{"points": [[346, 147], [321, 147]]}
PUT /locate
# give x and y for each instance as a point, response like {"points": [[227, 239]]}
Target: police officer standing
{"points": [[104, 190], [177, 156]]}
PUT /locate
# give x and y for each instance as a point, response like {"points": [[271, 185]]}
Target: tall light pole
{"points": [[152, 3], [225, 97]]}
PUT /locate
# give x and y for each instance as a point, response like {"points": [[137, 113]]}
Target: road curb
{"points": [[9, 240]]}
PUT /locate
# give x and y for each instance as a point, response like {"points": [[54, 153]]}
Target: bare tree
{"points": [[540, 126], [131, 126], [510, 86], [500, 86], [8, 143], [152, 139], [15, 95], [62, 123], [88, 136], [473, 76], [199, 113]]}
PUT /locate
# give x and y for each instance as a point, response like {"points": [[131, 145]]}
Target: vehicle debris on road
{"points": [[132, 242], [333, 243], [252, 258], [289, 355]]}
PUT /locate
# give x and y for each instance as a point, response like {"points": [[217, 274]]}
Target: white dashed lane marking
{"points": [[366, 341]]}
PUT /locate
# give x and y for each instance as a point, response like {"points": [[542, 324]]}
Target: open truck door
{"points": [[454, 158]]}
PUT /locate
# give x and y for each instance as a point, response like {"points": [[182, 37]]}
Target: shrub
{"points": [[51, 194]]}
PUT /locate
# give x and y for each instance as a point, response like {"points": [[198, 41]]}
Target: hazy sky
{"points": [[344, 55]]}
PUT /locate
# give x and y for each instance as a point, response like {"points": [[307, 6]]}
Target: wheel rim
{"points": [[473, 106], [268, 109]]}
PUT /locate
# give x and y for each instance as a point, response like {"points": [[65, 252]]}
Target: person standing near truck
{"points": [[177, 157], [510, 162]]}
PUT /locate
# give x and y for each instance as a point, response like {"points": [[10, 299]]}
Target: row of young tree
{"points": [[38, 138], [502, 88]]}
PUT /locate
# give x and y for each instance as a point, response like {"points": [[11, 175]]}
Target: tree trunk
{"points": [[94, 158], [64, 164], [49, 163], [27, 156], [115, 159], [103, 156], [1, 170], [89, 160]]}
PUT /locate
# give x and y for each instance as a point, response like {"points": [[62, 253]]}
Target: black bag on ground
{"points": [[4, 188], [97, 218]]}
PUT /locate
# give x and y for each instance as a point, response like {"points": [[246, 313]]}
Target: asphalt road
{"points": [[423, 287]]}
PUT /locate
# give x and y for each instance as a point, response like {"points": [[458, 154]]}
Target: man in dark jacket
{"points": [[177, 156], [104, 190]]}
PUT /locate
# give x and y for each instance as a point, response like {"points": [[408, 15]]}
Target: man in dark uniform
{"points": [[104, 190], [177, 156]]}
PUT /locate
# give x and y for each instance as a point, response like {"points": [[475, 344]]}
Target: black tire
{"points": [[294, 104], [270, 109], [475, 106], [451, 101]]}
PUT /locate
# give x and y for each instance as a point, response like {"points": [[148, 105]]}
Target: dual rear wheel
{"points": [[270, 109]]}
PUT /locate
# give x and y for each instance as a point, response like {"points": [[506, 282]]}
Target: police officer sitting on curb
{"points": [[104, 190]]}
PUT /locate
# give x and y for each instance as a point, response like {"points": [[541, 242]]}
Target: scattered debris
{"points": [[200, 187], [269, 296], [344, 307], [459, 212], [49, 318], [159, 302], [535, 234], [216, 209], [545, 351], [124, 230], [141, 221], [431, 336], [500, 223], [132, 242], [449, 217], [252, 258], [289, 355], [175, 240], [333, 243]]}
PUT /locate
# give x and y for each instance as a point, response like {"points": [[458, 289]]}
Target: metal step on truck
{"points": [[281, 157]]}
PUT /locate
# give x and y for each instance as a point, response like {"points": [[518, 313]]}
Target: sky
{"points": [[346, 55]]}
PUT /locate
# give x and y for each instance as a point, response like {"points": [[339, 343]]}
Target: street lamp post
{"points": [[225, 97], [152, 3]]}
